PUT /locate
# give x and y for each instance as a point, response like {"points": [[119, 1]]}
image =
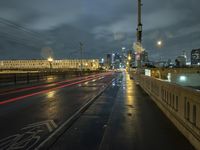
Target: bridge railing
{"points": [[27, 77], [180, 104]]}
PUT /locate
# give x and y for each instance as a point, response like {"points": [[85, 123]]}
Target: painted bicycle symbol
{"points": [[29, 136]]}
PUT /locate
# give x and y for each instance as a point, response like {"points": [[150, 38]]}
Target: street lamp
{"points": [[128, 63], [159, 43], [50, 60], [129, 57]]}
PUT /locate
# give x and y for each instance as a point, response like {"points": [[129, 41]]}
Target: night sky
{"points": [[32, 29]]}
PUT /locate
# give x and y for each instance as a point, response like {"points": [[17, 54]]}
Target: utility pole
{"points": [[81, 50], [139, 32], [139, 28]]}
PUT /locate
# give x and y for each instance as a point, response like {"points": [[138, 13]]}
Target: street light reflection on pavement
{"points": [[51, 94], [129, 90]]}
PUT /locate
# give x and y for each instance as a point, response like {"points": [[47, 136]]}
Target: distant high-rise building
{"points": [[117, 61], [180, 61], [117, 57], [108, 61], [144, 57], [185, 55], [195, 57]]}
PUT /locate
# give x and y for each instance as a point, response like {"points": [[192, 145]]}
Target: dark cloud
{"points": [[27, 27]]}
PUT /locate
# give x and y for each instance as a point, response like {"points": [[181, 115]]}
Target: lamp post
{"points": [[139, 34], [159, 45], [129, 62], [86, 66], [50, 60], [129, 57], [81, 50]]}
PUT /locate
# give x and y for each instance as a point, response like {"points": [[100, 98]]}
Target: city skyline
{"points": [[49, 27]]}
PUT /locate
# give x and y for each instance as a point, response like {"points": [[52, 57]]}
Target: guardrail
{"points": [[180, 104], [27, 77]]}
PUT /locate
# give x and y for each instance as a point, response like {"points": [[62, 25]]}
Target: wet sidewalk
{"points": [[123, 118]]}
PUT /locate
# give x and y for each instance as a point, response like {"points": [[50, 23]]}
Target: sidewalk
{"points": [[123, 118]]}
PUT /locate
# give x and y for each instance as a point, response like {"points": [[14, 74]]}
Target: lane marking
{"points": [[50, 125]]}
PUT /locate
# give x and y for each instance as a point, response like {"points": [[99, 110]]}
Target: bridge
{"points": [[99, 111], [55, 94]]}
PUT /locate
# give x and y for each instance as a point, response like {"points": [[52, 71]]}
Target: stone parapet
{"points": [[180, 104]]}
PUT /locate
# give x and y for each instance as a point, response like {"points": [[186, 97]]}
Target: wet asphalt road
{"points": [[29, 115], [122, 118]]}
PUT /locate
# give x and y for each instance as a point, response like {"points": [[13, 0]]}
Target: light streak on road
{"points": [[48, 84], [48, 90]]}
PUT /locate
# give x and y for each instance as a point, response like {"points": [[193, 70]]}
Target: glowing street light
{"points": [[159, 43], [50, 59], [102, 60], [129, 58]]}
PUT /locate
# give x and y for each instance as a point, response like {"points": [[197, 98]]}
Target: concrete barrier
{"points": [[180, 104]]}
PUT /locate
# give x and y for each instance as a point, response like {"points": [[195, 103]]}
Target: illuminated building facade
{"points": [[91, 64]]}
